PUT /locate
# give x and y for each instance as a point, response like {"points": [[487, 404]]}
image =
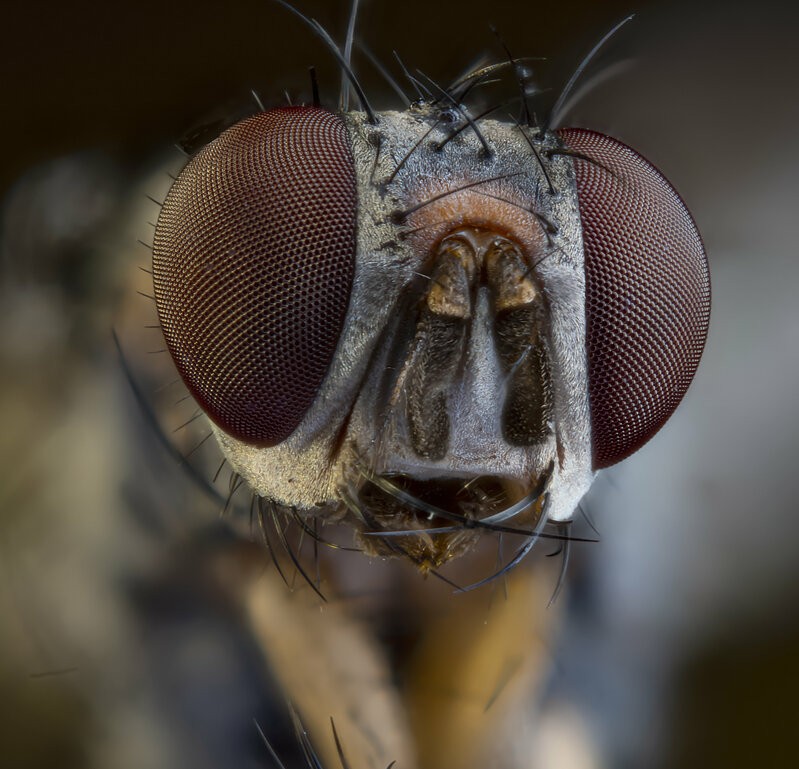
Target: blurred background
{"points": [[682, 641]]}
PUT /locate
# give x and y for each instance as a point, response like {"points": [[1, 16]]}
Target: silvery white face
{"points": [[432, 325]]}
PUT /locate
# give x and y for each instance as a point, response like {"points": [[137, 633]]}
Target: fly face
{"points": [[432, 329]]}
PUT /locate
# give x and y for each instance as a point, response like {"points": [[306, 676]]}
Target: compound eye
{"points": [[253, 261], [647, 293]]}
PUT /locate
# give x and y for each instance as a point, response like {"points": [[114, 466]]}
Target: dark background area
{"points": [[689, 653]]}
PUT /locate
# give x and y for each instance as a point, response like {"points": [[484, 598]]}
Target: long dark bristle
{"points": [[338, 55], [197, 446], [339, 749], [579, 156], [315, 100], [385, 74], [564, 564], [234, 484], [538, 157], [417, 86], [344, 99], [520, 555], [587, 518], [281, 534], [507, 673], [378, 148], [151, 420], [470, 86], [278, 763], [520, 81], [257, 99], [410, 152], [317, 537], [460, 129], [546, 225], [463, 112], [193, 418], [219, 470], [263, 525], [564, 94], [429, 509], [311, 756]]}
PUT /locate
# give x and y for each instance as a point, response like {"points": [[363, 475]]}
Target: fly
{"points": [[435, 324]]}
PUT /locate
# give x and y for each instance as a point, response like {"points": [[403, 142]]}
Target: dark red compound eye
{"points": [[253, 261], [647, 293]]}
